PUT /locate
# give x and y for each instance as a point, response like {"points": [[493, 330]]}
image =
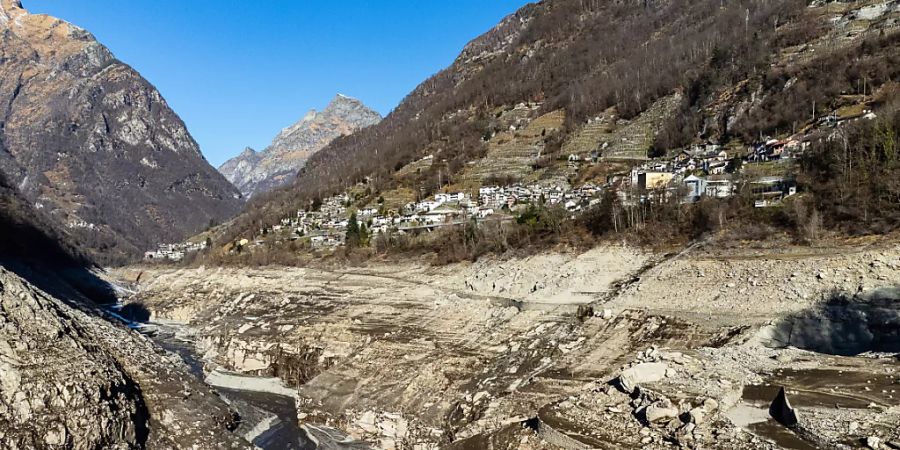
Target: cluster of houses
{"points": [[701, 171], [173, 252], [692, 173], [573, 200], [327, 226], [707, 171], [775, 149]]}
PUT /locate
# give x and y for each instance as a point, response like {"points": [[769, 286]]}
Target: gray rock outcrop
{"points": [[71, 379], [642, 373]]}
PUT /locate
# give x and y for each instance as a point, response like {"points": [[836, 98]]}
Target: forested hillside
{"points": [[659, 75]]}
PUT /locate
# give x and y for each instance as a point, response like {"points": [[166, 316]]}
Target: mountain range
{"points": [[254, 172], [89, 141]]}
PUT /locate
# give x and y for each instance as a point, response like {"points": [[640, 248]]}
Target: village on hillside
{"points": [[687, 175], [690, 174]]}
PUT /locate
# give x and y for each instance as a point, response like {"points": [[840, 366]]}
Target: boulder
{"points": [[641, 373], [873, 442], [782, 411], [710, 405], [656, 413], [700, 414], [697, 415]]}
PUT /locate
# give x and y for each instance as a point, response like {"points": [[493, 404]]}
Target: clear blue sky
{"points": [[239, 71]]}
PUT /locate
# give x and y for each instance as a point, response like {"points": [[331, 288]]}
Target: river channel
{"points": [[269, 420]]}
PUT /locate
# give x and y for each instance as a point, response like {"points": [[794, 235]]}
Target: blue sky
{"points": [[239, 71]]}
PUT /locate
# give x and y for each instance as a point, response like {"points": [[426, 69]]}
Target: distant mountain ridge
{"points": [[254, 172], [94, 145]]}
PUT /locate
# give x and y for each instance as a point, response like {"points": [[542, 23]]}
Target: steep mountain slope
{"points": [[628, 75], [88, 140], [278, 164], [36, 237]]}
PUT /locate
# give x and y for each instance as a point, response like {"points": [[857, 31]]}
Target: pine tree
{"points": [[353, 236]]}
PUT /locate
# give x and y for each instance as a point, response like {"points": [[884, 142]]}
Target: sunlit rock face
{"points": [[71, 378], [255, 172], [90, 141], [53, 389]]}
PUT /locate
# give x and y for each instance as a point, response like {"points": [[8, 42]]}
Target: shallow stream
{"points": [[270, 420]]}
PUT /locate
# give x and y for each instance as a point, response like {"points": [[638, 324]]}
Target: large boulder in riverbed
{"points": [[660, 412], [636, 375]]}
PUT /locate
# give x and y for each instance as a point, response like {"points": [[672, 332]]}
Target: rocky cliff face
{"points": [[69, 378], [91, 142], [278, 164]]}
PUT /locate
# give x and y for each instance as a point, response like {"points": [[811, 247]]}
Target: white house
{"points": [[482, 213], [696, 187], [487, 191], [719, 187], [426, 206]]}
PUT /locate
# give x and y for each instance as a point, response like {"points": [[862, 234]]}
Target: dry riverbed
{"points": [[527, 353]]}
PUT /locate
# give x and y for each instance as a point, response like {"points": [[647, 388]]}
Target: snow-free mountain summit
{"points": [[254, 172]]}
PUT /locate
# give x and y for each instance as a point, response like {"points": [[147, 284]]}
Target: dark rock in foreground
{"points": [[782, 411]]}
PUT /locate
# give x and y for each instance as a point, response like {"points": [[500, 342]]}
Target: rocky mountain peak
{"points": [[79, 125], [288, 152], [8, 6], [351, 110], [343, 101], [56, 43]]}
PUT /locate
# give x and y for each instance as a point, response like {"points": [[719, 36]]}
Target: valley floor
{"points": [[528, 353]]}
